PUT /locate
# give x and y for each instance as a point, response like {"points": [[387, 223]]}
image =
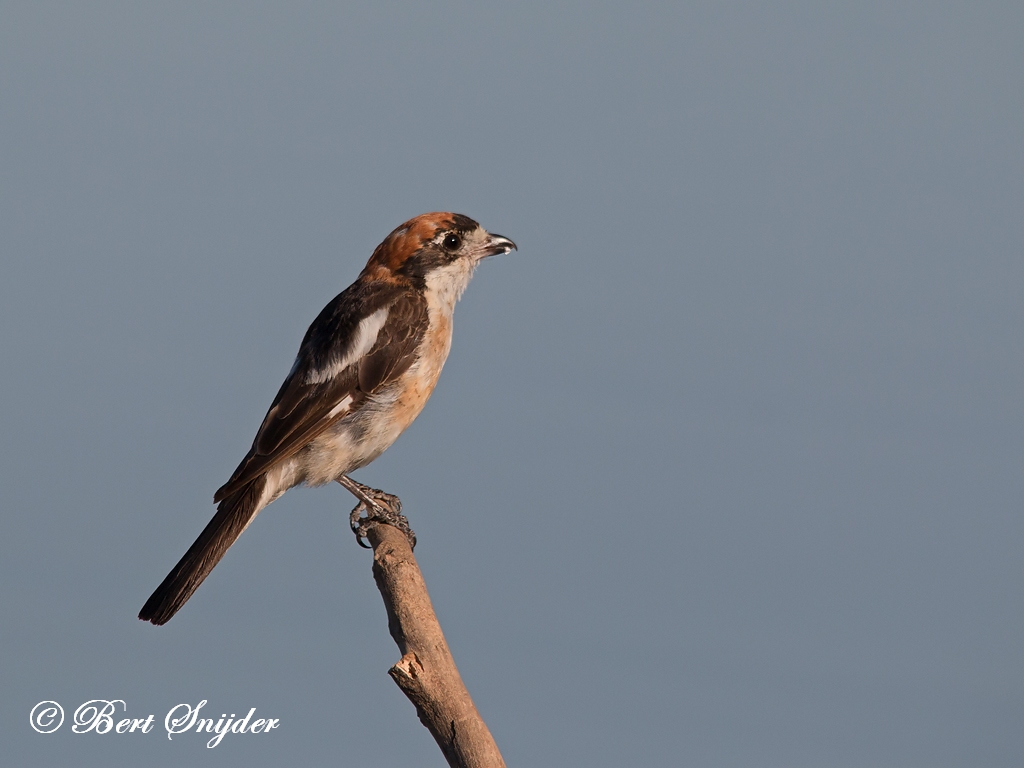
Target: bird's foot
{"points": [[380, 507]]}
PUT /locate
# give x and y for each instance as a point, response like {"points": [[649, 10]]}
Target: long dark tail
{"points": [[233, 514]]}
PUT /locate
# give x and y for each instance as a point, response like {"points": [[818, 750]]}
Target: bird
{"points": [[364, 370]]}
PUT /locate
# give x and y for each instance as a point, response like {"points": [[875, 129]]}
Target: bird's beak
{"points": [[496, 244]]}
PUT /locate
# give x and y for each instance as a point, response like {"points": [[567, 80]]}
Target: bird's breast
{"points": [[365, 434], [419, 381]]}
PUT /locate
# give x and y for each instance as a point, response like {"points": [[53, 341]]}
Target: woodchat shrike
{"points": [[364, 371]]}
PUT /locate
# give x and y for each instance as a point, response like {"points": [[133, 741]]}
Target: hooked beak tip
{"points": [[498, 244]]}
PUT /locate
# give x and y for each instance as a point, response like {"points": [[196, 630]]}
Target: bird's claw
{"points": [[382, 508]]}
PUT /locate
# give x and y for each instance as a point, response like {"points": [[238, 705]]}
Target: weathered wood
{"points": [[426, 673]]}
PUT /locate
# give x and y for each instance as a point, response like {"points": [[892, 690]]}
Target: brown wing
{"points": [[329, 371], [397, 343]]}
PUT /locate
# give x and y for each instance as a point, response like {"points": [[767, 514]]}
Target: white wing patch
{"points": [[362, 342], [342, 406]]}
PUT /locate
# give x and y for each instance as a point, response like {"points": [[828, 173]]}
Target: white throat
{"points": [[446, 284]]}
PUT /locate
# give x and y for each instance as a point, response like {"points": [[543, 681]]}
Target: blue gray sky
{"points": [[725, 468]]}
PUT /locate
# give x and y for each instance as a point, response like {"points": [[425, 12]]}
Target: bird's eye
{"points": [[451, 242]]}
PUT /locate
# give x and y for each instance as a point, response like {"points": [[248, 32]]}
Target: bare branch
{"points": [[426, 672]]}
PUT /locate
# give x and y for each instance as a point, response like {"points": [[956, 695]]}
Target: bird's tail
{"points": [[233, 515]]}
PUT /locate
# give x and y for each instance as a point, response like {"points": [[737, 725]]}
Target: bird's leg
{"points": [[380, 507]]}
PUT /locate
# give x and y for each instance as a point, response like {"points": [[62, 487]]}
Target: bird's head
{"points": [[435, 252]]}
